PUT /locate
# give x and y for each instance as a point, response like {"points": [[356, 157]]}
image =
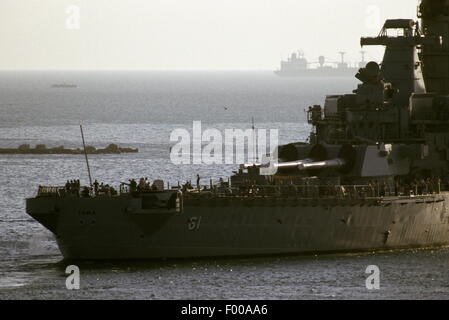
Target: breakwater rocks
{"points": [[42, 149]]}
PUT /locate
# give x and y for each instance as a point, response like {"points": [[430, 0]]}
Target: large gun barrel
{"points": [[334, 163], [287, 165], [309, 164], [292, 164], [342, 159]]}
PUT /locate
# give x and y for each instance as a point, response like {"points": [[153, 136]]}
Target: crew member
{"points": [[96, 186]]}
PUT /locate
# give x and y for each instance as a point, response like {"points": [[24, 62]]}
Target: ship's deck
{"points": [[327, 193]]}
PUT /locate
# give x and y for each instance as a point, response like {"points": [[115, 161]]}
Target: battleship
{"points": [[298, 66], [373, 175]]}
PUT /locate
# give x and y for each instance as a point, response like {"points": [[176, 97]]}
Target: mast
{"points": [[85, 154], [255, 151]]}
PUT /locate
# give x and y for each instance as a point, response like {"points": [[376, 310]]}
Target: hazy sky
{"points": [[186, 34]]}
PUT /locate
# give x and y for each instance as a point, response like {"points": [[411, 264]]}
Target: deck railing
{"points": [[54, 191], [347, 192], [313, 192], [50, 191]]}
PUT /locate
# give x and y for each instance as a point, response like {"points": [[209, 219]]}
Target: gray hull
{"points": [[115, 228]]}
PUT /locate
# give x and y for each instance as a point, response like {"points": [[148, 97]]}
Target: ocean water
{"points": [[140, 110]]}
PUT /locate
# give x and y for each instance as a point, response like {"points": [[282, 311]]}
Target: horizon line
{"points": [[136, 70]]}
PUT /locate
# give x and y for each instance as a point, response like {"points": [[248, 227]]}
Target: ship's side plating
{"points": [[105, 228]]}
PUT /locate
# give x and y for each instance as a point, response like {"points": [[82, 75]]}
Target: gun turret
{"points": [[394, 126]]}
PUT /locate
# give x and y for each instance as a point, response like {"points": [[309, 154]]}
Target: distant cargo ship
{"points": [[298, 66]]}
